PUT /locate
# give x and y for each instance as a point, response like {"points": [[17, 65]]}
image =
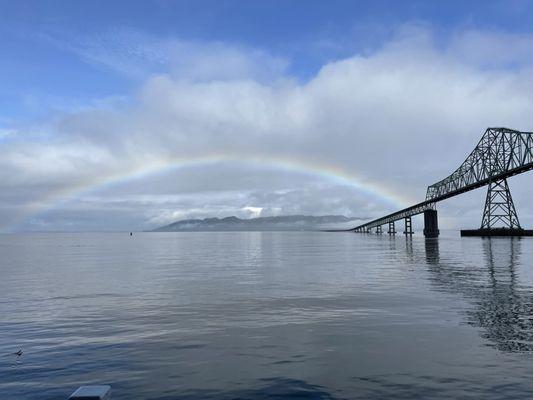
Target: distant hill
{"points": [[280, 223]]}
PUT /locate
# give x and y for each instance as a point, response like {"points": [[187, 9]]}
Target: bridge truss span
{"points": [[500, 153]]}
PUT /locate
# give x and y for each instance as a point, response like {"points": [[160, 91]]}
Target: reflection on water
{"points": [[250, 315], [500, 306]]}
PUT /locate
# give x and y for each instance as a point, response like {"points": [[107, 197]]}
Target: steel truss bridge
{"points": [[500, 154]]}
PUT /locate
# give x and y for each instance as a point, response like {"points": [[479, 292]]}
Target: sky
{"points": [[128, 115]]}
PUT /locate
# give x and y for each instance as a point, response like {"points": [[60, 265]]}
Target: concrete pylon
{"points": [[431, 224]]}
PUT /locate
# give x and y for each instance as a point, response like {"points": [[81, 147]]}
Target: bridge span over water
{"points": [[500, 154]]}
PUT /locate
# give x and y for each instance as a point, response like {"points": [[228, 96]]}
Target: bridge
{"points": [[500, 154]]}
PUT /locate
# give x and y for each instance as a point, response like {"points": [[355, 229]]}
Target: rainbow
{"points": [[329, 172]]}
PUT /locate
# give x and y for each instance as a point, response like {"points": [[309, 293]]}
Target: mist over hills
{"points": [[278, 223]]}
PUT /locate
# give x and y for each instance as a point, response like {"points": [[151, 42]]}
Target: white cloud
{"points": [[402, 117], [7, 133], [493, 49], [137, 54], [253, 212]]}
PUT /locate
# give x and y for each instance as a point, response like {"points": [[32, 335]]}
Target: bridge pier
{"points": [[378, 230], [499, 216], [408, 227], [431, 224], [392, 228]]}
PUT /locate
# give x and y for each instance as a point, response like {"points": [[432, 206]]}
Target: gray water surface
{"points": [[272, 315]]}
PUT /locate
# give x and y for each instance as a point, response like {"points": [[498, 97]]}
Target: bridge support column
{"points": [[378, 230], [431, 224], [499, 216], [499, 207], [408, 227], [392, 228]]}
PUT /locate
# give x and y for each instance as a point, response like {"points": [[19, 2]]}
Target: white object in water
{"points": [[100, 392]]}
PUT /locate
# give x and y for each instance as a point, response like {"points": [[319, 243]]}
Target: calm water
{"points": [[266, 315]]}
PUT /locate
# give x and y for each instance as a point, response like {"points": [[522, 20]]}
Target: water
{"points": [[266, 315]]}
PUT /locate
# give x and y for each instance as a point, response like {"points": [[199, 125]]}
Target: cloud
{"points": [[6, 134], [493, 49], [401, 118], [137, 54]]}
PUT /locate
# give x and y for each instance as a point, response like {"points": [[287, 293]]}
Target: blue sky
{"points": [[95, 95], [306, 33]]}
